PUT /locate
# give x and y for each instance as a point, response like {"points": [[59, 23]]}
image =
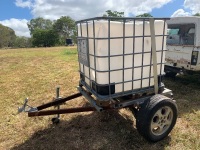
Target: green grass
{"points": [[36, 72]]}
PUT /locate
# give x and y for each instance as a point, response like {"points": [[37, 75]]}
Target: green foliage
{"points": [[110, 13], [7, 36], [44, 32], [66, 28], [44, 38], [145, 15], [22, 42], [197, 14], [39, 23]]}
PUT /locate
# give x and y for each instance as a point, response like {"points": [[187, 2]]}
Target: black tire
{"points": [[158, 111]]}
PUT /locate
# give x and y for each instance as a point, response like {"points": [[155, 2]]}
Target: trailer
{"points": [[183, 44], [121, 65]]}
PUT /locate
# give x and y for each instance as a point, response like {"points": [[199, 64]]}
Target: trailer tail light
{"points": [[194, 57]]}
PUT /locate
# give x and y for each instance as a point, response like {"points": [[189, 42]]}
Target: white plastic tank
{"points": [[129, 63]]}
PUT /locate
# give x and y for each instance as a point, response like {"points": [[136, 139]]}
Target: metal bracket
{"points": [[58, 97], [90, 99], [26, 108], [168, 93]]}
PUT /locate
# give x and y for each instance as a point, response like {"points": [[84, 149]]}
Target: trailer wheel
{"points": [[156, 118]]}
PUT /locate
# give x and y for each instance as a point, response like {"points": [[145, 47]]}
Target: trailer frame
{"points": [[153, 107]]}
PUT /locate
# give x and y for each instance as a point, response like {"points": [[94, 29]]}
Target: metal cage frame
{"points": [[94, 88]]}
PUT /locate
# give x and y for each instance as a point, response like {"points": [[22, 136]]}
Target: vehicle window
{"points": [[190, 36], [191, 30], [173, 31], [173, 36], [181, 34]]}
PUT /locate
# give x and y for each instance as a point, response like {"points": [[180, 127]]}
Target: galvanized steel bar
{"points": [[142, 67], [154, 56], [88, 54], [95, 68], [164, 26], [118, 18], [123, 70], [109, 57], [133, 54], [90, 99], [118, 37]]}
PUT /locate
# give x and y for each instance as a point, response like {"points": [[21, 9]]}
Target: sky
{"points": [[16, 13]]}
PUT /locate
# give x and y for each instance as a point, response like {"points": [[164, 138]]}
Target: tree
{"points": [[39, 23], [44, 38], [66, 28], [110, 13], [7, 36], [145, 15], [197, 14], [21, 42]]}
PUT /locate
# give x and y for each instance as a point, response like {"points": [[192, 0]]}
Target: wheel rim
{"points": [[161, 120]]}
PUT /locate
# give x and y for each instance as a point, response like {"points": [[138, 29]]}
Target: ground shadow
{"points": [[105, 130], [110, 130], [186, 90]]}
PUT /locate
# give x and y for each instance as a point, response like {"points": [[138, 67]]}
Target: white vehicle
{"points": [[183, 44]]}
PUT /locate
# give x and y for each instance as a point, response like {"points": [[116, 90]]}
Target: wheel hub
{"points": [[161, 120]]}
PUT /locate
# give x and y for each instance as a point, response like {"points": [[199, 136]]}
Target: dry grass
{"points": [[36, 72]]}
